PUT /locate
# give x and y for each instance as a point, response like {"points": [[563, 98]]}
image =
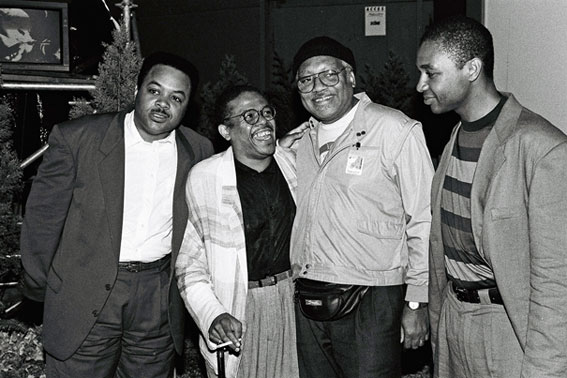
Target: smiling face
{"points": [[444, 85], [161, 102], [253, 145], [327, 104]]}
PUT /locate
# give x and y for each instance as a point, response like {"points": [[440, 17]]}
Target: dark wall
{"points": [[204, 31], [295, 22]]}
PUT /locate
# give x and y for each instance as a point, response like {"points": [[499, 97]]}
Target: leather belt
{"points": [[484, 296], [138, 266], [270, 280]]}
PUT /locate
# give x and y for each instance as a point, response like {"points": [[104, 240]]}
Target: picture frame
{"points": [[34, 36]]}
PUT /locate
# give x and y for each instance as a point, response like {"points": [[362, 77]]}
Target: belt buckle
{"points": [[132, 267], [268, 281], [460, 294], [135, 268]]}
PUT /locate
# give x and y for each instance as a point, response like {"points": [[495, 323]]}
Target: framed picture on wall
{"points": [[34, 35]]}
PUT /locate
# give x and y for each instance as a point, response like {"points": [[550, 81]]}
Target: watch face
{"points": [[413, 305]]}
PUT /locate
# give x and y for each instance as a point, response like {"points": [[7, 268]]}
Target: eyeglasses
{"points": [[252, 116], [329, 78]]}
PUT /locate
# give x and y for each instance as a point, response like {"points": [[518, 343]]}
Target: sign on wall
{"points": [[375, 20]]}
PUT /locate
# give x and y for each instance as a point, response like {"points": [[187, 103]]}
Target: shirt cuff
{"points": [[417, 293]]}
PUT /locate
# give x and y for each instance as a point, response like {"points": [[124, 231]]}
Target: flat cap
{"points": [[322, 45]]}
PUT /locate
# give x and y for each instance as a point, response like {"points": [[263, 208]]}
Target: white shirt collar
{"points": [[132, 135]]}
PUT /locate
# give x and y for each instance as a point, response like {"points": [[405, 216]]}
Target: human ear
{"points": [[474, 68], [353, 80], [351, 76], [224, 131]]}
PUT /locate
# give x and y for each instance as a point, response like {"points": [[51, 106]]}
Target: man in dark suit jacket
{"points": [[103, 224]]}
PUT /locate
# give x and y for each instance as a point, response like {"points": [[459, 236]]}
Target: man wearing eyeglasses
{"points": [[233, 269], [363, 219]]}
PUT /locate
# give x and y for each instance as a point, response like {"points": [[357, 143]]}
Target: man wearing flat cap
{"points": [[362, 223]]}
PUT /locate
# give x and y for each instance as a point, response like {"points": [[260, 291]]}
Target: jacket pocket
{"points": [[53, 280], [504, 213], [381, 230]]}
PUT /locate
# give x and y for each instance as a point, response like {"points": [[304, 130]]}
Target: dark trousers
{"points": [[363, 344], [131, 337]]}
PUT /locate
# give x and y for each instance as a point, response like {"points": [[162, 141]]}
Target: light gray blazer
{"points": [[518, 214]]}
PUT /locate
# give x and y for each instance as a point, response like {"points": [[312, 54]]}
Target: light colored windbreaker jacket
{"points": [[363, 214]]}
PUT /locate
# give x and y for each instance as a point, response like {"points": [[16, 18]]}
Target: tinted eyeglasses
{"points": [[329, 78], [252, 116]]}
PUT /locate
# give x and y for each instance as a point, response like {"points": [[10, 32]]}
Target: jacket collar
{"points": [[508, 118], [111, 175], [353, 132]]}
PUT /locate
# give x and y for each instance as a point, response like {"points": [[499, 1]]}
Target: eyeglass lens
{"points": [[329, 78], [252, 116]]}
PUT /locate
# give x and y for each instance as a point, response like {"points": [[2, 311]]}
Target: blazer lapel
{"points": [[490, 161], [185, 160], [111, 173], [230, 199], [230, 210]]}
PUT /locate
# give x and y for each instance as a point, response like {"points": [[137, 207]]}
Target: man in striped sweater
{"points": [[498, 256]]}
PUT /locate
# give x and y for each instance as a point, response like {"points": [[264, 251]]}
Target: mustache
{"points": [[268, 125], [159, 110], [321, 94]]}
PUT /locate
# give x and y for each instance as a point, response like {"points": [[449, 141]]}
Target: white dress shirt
{"points": [[149, 178]]}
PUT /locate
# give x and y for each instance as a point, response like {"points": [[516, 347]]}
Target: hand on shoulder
{"points": [[289, 139]]}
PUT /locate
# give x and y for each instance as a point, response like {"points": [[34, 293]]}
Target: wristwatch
{"points": [[415, 305]]}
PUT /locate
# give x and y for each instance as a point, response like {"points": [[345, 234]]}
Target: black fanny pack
{"points": [[325, 301]]}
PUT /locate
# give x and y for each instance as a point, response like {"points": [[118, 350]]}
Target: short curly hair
{"points": [[168, 59], [463, 38], [229, 94]]}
